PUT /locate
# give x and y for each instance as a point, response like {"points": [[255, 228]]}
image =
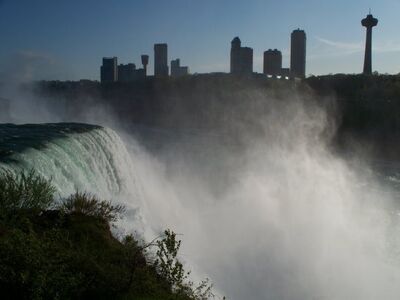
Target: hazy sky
{"points": [[66, 39]]}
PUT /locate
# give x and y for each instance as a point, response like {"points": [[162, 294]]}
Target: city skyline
{"points": [[195, 32], [241, 62]]}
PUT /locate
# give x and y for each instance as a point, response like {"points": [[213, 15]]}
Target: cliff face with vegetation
{"points": [[65, 250]]}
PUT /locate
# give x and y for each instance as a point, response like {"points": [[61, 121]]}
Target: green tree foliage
{"points": [[24, 191], [167, 263], [171, 269]]}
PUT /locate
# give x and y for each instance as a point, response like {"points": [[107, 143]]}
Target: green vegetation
{"points": [[66, 250], [88, 205], [23, 192]]}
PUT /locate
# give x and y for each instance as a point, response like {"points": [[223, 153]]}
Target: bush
{"points": [[167, 264], [24, 191], [36, 266], [89, 205], [171, 270]]}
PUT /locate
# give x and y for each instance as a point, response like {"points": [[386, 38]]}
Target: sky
{"points": [[66, 39]]}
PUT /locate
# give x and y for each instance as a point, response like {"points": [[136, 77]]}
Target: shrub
{"points": [[24, 191], [87, 204], [166, 263], [171, 270], [36, 266]]}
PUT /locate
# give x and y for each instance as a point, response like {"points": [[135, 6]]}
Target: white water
{"points": [[281, 218], [96, 161]]}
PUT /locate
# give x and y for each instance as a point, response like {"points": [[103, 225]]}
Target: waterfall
{"points": [[75, 157]]}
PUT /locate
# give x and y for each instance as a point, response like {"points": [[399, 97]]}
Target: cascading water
{"points": [[75, 157], [94, 159]]}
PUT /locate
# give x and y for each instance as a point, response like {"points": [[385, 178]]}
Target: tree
{"points": [[171, 269]]}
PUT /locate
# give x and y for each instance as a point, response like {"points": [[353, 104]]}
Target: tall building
{"points": [[298, 54], [236, 45], [175, 65], [126, 72], [272, 62], [177, 70], [368, 22], [161, 60], [241, 58], [109, 69]]}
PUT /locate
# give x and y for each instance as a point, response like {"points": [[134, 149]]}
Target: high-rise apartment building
{"points": [[109, 69], [298, 54], [241, 58], [161, 60], [177, 70], [272, 62]]}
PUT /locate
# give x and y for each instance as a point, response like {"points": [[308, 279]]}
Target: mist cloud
{"points": [[28, 65], [292, 220]]}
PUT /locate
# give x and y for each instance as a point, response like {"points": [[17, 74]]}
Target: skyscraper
{"points": [[272, 62], [368, 22], [241, 58], [161, 60], [126, 72], [109, 69], [177, 70], [298, 54]]}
